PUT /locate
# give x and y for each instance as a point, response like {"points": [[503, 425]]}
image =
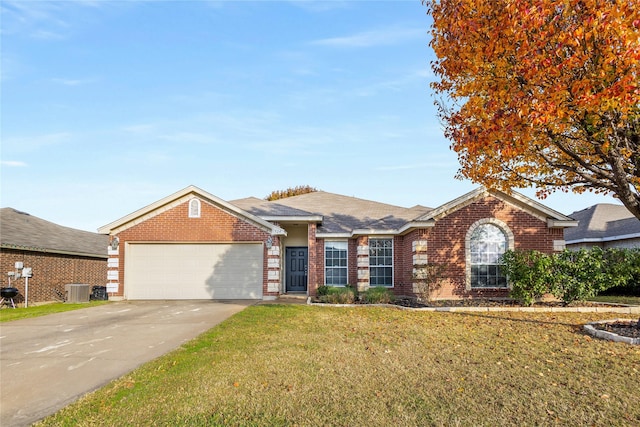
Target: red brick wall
{"points": [[51, 272], [403, 267], [315, 266], [174, 225], [447, 240], [352, 262]]}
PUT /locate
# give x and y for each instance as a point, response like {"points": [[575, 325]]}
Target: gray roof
{"points": [[603, 222], [264, 208], [341, 214], [19, 230]]}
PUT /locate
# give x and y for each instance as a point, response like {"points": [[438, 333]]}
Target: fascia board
{"points": [[604, 239], [539, 207], [416, 224], [372, 232], [586, 240], [53, 251], [292, 218], [554, 223], [453, 204], [334, 235]]}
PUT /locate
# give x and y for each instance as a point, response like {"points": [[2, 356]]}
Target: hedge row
{"points": [[570, 275]]}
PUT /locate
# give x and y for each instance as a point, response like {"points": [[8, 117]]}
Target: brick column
{"points": [[313, 262], [362, 254], [273, 267], [419, 261]]}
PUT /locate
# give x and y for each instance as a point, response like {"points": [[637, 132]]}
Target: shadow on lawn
{"points": [[575, 327]]}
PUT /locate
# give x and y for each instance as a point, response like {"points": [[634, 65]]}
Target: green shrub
{"points": [[339, 295], [569, 275], [378, 295], [322, 290], [528, 274], [579, 275]]}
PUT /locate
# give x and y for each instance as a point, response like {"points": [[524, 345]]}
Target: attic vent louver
{"points": [[194, 208]]}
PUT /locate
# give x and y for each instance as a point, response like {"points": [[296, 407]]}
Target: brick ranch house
{"points": [[58, 255], [194, 245]]}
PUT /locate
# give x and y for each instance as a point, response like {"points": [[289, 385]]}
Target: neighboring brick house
{"points": [[606, 226], [192, 244], [57, 255]]}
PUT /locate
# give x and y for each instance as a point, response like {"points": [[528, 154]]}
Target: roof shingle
{"points": [[341, 214], [602, 221], [19, 230]]}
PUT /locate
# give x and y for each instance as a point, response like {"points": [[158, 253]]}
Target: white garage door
{"points": [[193, 271]]}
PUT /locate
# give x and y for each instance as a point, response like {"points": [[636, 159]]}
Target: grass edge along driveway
{"points": [[313, 366]]}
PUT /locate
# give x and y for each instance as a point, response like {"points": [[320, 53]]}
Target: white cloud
{"points": [[48, 20], [140, 128], [30, 143], [410, 78], [382, 37], [13, 163], [72, 82], [320, 6]]}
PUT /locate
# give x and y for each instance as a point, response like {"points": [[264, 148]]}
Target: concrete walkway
{"points": [[48, 362]]}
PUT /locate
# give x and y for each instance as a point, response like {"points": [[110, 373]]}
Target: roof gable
{"points": [[183, 196], [551, 217]]}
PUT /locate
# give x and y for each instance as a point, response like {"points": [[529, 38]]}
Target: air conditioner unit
{"points": [[76, 292]]}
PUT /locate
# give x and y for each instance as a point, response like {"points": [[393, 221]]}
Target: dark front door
{"points": [[296, 278]]}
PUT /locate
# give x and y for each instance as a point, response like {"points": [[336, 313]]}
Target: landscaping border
{"points": [[606, 335]]}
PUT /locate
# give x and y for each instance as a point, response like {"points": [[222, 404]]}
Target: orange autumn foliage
{"points": [[542, 93]]}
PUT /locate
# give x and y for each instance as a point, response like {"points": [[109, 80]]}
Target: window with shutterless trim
{"points": [[487, 244], [194, 208], [380, 262], [335, 263]]}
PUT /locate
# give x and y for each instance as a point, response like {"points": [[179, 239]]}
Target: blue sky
{"points": [[108, 106]]}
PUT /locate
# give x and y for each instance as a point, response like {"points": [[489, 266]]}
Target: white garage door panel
{"points": [[193, 271]]}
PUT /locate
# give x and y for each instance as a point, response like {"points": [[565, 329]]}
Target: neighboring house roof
{"points": [[338, 214], [19, 230], [602, 223], [183, 196]]}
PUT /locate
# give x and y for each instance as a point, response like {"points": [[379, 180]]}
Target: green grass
{"points": [[630, 300], [7, 314], [276, 365]]}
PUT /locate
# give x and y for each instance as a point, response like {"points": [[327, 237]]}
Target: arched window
{"points": [[194, 208], [486, 243]]}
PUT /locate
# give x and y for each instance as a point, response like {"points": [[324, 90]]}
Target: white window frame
{"points": [[346, 267], [194, 212], [392, 261], [510, 246]]}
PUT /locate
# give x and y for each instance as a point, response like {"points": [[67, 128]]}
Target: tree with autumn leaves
{"points": [[290, 192], [541, 93]]}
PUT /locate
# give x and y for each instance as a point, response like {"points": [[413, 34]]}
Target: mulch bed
{"points": [[628, 329]]}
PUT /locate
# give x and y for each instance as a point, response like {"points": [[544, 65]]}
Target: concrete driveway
{"points": [[48, 362]]}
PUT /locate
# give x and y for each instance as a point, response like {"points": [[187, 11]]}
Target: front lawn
{"points": [[7, 314], [370, 366], [629, 300]]}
